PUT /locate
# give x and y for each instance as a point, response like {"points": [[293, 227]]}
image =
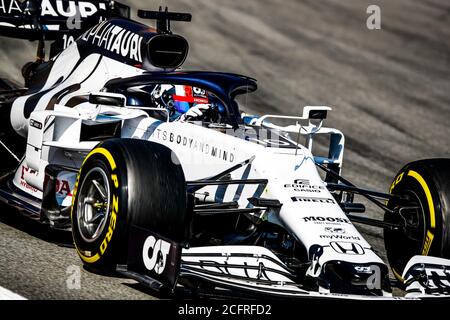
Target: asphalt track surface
{"points": [[389, 88]]}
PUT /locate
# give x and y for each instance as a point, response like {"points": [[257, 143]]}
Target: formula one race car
{"points": [[160, 175]]}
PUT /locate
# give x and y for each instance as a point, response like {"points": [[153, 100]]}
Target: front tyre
{"points": [[124, 182], [425, 215]]}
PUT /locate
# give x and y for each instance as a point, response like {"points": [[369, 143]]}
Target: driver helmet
{"points": [[186, 97], [180, 98]]}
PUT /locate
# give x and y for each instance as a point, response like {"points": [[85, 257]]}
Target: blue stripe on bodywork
{"points": [[152, 128], [220, 193], [257, 193], [245, 175]]}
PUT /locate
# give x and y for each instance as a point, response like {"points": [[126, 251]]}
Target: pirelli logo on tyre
{"points": [[396, 181], [89, 256], [112, 221], [427, 244]]}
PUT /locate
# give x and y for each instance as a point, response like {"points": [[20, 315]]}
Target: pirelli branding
{"points": [[115, 39], [313, 200]]}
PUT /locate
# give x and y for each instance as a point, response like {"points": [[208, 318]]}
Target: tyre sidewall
{"points": [[109, 248]]}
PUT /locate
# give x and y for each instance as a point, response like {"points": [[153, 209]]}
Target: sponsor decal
{"points": [[27, 186], [115, 39], [311, 199], [347, 248], [304, 185], [85, 9], [190, 94], [338, 237], [193, 144], [35, 124], [23, 183], [58, 8], [63, 188], [154, 254], [64, 184], [363, 269], [335, 230], [326, 220]]}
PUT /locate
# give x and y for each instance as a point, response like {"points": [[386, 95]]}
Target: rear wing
{"points": [[61, 21]]}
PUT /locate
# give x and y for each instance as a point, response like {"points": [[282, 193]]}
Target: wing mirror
{"points": [[315, 112]]}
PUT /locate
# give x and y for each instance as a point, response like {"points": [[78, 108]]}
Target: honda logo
{"points": [[347, 247]]}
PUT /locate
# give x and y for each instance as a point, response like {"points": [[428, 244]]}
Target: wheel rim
{"points": [[407, 242], [93, 204], [415, 218]]}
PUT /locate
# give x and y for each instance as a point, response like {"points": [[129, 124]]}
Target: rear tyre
{"points": [[426, 213], [124, 182]]}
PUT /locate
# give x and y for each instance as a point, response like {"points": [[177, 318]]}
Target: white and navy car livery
{"points": [[226, 198]]}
